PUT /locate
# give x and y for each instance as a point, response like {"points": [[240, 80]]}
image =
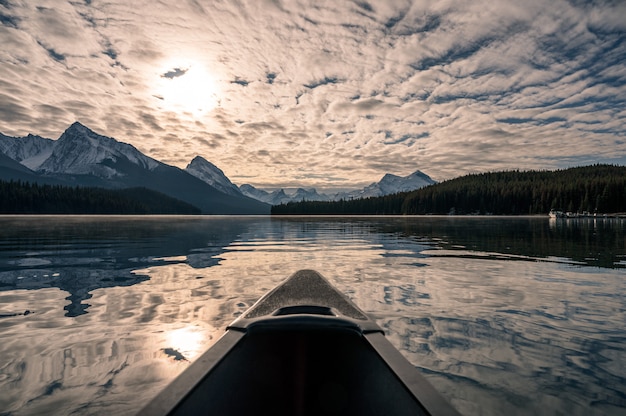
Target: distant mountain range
{"points": [[81, 157], [389, 184]]}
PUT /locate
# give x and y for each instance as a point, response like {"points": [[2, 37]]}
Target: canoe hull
{"points": [[303, 349]]}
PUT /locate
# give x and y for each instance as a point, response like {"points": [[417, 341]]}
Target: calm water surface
{"points": [[516, 316]]}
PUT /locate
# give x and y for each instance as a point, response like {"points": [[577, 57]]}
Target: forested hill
{"points": [[31, 198], [598, 188]]}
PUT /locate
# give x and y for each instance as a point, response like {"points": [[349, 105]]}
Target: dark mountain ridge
{"points": [[81, 157]]}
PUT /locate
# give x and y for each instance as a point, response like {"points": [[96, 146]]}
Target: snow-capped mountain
{"points": [[281, 197], [81, 151], [259, 194], [81, 157], [278, 197], [273, 198], [390, 184], [211, 174], [17, 155], [310, 194], [30, 151]]}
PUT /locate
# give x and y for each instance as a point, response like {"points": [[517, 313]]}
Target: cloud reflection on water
{"points": [[495, 325]]}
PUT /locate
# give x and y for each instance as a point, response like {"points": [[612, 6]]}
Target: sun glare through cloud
{"points": [[187, 89]]}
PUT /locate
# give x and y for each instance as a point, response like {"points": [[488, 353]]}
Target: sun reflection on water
{"points": [[185, 343]]}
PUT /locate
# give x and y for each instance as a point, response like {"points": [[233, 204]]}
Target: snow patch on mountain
{"points": [[211, 174], [30, 150], [36, 160]]}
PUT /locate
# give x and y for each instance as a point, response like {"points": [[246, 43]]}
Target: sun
{"points": [[188, 89]]}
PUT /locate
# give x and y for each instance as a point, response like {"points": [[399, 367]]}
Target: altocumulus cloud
{"points": [[327, 95]]}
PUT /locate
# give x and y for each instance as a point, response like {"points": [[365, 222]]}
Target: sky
{"points": [[326, 94]]}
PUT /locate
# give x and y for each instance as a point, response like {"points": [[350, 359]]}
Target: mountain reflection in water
{"points": [[81, 254], [503, 315]]}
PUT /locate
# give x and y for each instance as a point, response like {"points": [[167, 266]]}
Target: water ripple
{"points": [[504, 316]]}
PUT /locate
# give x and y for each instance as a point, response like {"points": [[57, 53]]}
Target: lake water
{"points": [[516, 316]]}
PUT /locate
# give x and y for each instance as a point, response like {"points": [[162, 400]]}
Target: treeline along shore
{"points": [[17, 197], [594, 189], [599, 189]]}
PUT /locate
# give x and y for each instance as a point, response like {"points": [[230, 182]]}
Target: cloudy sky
{"points": [[332, 94]]}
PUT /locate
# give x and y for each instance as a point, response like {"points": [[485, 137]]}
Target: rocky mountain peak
{"points": [[80, 150], [211, 174]]}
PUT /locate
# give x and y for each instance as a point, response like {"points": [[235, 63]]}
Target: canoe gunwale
{"points": [[181, 386], [429, 398]]}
